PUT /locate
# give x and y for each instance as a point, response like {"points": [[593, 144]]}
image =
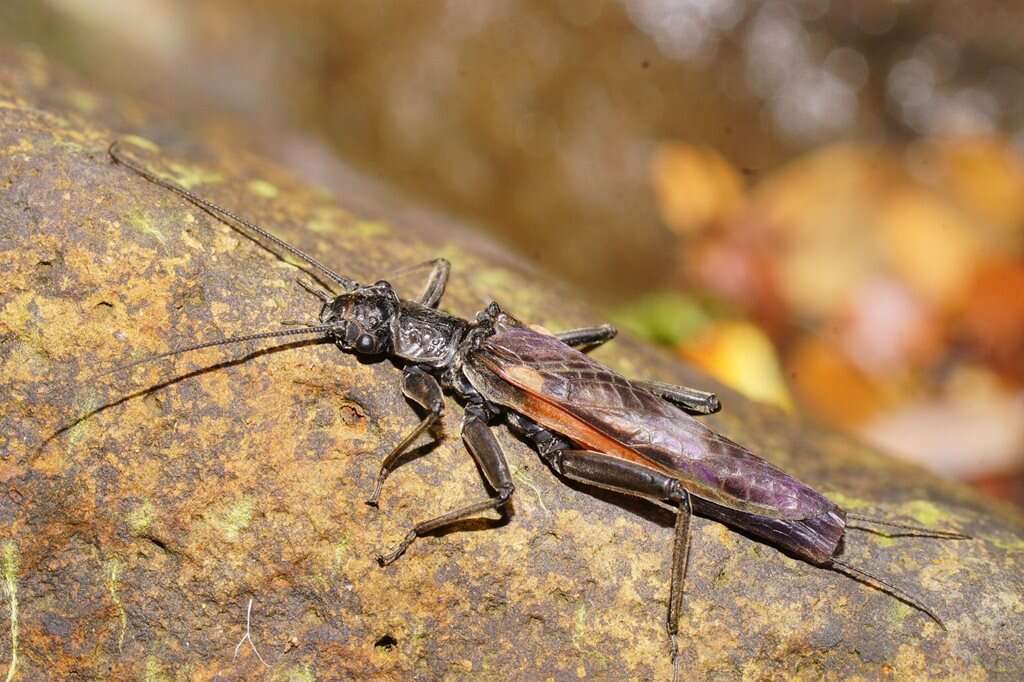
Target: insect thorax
{"points": [[425, 335]]}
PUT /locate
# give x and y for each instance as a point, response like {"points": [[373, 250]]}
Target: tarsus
{"points": [[916, 531], [220, 342], [221, 213], [881, 585]]}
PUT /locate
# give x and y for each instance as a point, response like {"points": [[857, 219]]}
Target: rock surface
{"points": [[134, 542]]}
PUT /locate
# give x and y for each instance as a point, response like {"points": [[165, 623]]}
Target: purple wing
{"points": [[569, 387]]}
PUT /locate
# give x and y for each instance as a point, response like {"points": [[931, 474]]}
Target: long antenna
{"points": [[220, 342], [221, 213], [881, 585]]}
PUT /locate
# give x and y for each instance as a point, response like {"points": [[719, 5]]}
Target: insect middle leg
{"points": [[484, 448], [588, 337], [691, 400], [424, 389]]}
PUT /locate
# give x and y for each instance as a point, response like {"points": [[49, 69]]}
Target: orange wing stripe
{"points": [[557, 419]]}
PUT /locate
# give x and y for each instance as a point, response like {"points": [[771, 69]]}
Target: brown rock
{"points": [[134, 541]]}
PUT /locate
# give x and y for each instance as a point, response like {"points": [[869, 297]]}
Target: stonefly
{"points": [[588, 423]]}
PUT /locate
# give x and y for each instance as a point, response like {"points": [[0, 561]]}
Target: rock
{"points": [[135, 541]]}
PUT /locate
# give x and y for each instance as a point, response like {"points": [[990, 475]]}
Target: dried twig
{"points": [[248, 636]]}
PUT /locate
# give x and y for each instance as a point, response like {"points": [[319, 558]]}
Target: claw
{"points": [[385, 559], [675, 659], [375, 497]]}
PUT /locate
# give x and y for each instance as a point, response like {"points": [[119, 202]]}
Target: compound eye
{"points": [[365, 344]]}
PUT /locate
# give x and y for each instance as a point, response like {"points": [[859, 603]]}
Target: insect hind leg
{"points": [[680, 559], [612, 473], [543, 440]]}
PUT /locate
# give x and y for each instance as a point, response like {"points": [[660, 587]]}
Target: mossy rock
{"points": [[134, 541]]}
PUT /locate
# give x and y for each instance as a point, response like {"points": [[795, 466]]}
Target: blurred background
{"points": [[820, 203]]}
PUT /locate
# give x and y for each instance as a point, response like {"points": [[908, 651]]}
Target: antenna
{"points": [[222, 213], [220, 342]]}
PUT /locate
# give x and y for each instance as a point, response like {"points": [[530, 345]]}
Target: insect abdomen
{"points": [[815, 539]]}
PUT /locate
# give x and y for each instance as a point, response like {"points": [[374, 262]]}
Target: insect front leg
{"points": [[588, 337], [484, 448], [424, 389], [436, 282], [324, 295], [689, 399], [612, 473]]}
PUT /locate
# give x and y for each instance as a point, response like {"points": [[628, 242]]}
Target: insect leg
{"points": [[616, 474], [324, 296], [626, 477], [484, 448], [588, 337], [436, 282], [680, 557], [689, 399], [424, 389]]}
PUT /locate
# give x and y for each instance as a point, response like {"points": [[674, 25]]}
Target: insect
{"points": [[588, 423]]}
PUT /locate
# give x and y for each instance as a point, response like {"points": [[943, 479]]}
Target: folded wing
{"points": [[569, 393]]}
